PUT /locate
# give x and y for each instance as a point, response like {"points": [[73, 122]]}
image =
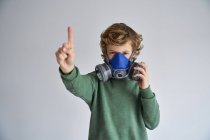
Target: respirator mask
{"points": [[118, 67]]}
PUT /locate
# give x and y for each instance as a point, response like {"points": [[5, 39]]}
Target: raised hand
{"points": [[65, 55]]}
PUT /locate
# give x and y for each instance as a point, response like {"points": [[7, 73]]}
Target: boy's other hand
{"points": [[143, 75], [65, 55]]}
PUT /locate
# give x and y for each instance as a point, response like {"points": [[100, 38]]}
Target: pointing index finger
{"points": [[70, 38]]}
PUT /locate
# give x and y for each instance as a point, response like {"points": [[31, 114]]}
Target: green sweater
{"points": [[120, 110]]}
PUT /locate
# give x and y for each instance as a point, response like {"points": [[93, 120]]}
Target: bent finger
{"points": [[144, 65]]}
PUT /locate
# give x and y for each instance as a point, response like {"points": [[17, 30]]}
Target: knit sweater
{"points": [[120, 110]]}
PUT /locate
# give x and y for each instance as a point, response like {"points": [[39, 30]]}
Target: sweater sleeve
{"points": [[150, 108], [80, 85]]}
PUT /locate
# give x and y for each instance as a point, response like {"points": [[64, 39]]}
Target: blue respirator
{"points": [[118, 67]]}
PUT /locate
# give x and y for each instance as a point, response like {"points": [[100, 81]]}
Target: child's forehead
{"points": [[125, 47]]}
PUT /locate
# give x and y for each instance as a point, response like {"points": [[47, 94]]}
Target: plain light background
{"points": [[34, 104]]}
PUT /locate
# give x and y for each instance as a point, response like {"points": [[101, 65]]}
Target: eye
{"points": [[111, 52], [125, 53]]}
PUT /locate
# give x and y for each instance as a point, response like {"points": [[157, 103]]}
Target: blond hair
{"points": [[119, 34]]}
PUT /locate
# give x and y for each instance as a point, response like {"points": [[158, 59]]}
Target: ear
{"points": [[102, 56], [105, 58], [141, 46], [133, 57]]}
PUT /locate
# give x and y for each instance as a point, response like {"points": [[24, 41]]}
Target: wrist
{"points": [[144, 87], [147, 92], [67, 70]]}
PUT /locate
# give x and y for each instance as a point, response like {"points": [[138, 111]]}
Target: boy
{"points": [[121, 102]]}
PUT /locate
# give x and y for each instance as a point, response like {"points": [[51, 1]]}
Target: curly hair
{"points": [[119, 34]]}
